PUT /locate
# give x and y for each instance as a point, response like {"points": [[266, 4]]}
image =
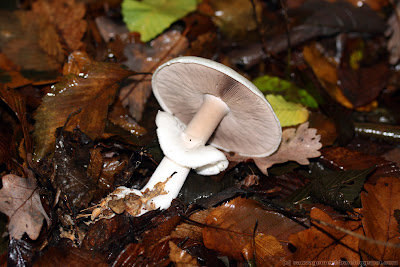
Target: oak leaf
{"points": [[20, 201], [323, 243], [297, 145], [380, 203]]}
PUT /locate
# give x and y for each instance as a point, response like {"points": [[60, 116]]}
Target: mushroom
{"points": [[206, 102]]}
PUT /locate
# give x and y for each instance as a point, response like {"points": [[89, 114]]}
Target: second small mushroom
{"points": [[206, 102]]}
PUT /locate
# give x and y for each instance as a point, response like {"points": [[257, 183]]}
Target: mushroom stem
{"points": [[168, 168], [206, 120]]}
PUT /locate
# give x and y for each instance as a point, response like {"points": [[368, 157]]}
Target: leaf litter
{"points": [[89, 142]]}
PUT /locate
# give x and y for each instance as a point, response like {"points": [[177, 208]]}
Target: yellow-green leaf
{"points": [[288, 113], [152, 17]]}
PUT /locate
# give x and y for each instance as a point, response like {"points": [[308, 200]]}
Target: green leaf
{"points": [[288, 113], [152, 17], [268, 84]]}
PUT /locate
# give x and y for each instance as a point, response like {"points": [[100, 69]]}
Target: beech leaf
{"points": [[288, 113], [20, 201], [151, 17], [379, 205], [323, 243], [233, 224], [87, 85], [297, 145]]}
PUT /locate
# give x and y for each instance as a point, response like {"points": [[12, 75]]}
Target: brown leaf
{"points": [[297, 145], [92, 91], [146, 58], [189, 230], [20, 201], [268, 250], [325, 70], [341, 158], [233, 224], [179, 257], [323, 243], [379, 204], [15, 101], [23, 45], [68, 19]]}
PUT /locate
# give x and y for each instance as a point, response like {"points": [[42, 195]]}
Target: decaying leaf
{"points": [[20, 201], [233, 224], [88, 86], [151, 17], [323, 243], [297, 145], [379, 222]]}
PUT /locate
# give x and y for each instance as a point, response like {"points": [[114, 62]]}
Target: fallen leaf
{"points": [[232, 225], [268, 250], [325, 70], [297, 145], [87, 85], [151, 17], [190, 230], [288, 113], [67, 18], [180, 257], [20, 201], [146, 58], [378, 207], [323, 243]]}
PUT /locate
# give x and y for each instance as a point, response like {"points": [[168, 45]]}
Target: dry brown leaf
{"points": [[20, 201], [87, 85], [179, 257], [297, 145], [379, 204], [323, 243], [233, 224], [268, 250]]}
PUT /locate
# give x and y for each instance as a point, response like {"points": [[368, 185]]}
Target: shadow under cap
{"points": [[251, 128]]}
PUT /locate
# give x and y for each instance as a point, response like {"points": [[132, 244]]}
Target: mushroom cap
{"points": [[251, 128], [207, 160]]}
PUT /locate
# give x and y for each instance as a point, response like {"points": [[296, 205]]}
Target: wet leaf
{"points": [[323, 243], [88, 86], [379, 222], [151, 17], [20, 253], [233, 224], [288, 113], [20, 201], [270, 85], [297, 145], [180, 257], [71, 156], [268, 250]]}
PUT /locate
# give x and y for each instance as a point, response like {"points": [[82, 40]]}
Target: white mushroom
{"points": [[206, 102]]}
